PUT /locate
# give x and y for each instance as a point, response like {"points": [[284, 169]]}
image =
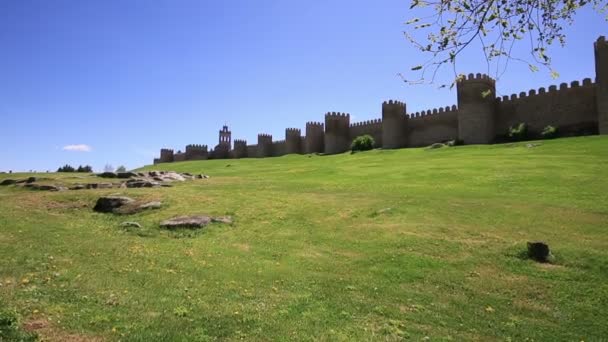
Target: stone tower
{"points": [[601, 80], [394, 125], [337, 133], [240, 149], [264, 145], [293, 140], [476, 109], [315, 138], [166, 155], [225, 138]]}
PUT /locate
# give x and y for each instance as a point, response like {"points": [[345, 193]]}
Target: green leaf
{"points": [[417, 67]]}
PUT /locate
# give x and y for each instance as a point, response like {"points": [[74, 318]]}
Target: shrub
{"points": [[518, 132], [362, 143], [121, 168], [549, 132], [10, 327]]}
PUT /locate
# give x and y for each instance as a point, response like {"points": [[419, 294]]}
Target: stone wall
{"points": [[480, 118], [371, 127], [570, 108]]}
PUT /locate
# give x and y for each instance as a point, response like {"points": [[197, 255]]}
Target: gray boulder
{"points": [[194, 221], [130, 224], [126, 174], [8, 182], [108, 204], [108, 175]]}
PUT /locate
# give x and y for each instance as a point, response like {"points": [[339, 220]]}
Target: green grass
{"points": [[379, 245]]}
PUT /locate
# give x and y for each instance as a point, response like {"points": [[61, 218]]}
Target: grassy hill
{"points": [[381, 245]]}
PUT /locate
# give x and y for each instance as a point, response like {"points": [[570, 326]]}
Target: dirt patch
{"points": [[48, 333]]}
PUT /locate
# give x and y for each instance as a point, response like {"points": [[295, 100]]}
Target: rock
{"points": [[134, 208], [436, 145], [8, 182], [78, 187], [105, 186], [107, 175], [126, 174], [130, 224], [198, 176], [45, 187], [196, 221], [187, 174], [30, 180], [142, 174], [108, 204], [142, 184], [538, 251], [151, 205], [166, 185], [222, 219]]}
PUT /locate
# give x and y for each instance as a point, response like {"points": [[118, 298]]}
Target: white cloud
{"points": [[78, 148]]}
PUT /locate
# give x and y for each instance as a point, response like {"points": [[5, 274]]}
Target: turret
{"points": [[394, 124], [315, 138], [476, 109], [225, 139], [601, 80], [240, 149], [293, 140], [197, 152], [166, 155], [337, 133], [264, 145]]}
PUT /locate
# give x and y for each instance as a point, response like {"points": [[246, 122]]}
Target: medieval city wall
{"points": [[431, 126], [480, 117], [370, 127], [571, 108]]}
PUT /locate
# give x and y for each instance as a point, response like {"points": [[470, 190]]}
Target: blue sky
{"points": [[128, 77]]}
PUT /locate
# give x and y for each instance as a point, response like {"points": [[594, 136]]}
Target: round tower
{"points": [[315, 138], [240, 148], [337, 132], [264, 145], [293, 140], [476, 109], [166, 155], [600, 48], [394, 124]]}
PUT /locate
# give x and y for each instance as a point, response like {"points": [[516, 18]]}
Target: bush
{"points": [[362, 143], [549, 132], [518, 132], [121, 168], [10, 327]]}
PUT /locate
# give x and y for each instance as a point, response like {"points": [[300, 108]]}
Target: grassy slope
{"points": [[376, 245]]}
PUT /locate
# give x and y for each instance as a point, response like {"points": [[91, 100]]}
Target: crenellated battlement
{"points": [[314, 124], [367, 123], [336, 116], [577, 107], [434, 111], [193, 147], [552, 90], [398, 105], [476, 78]]}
